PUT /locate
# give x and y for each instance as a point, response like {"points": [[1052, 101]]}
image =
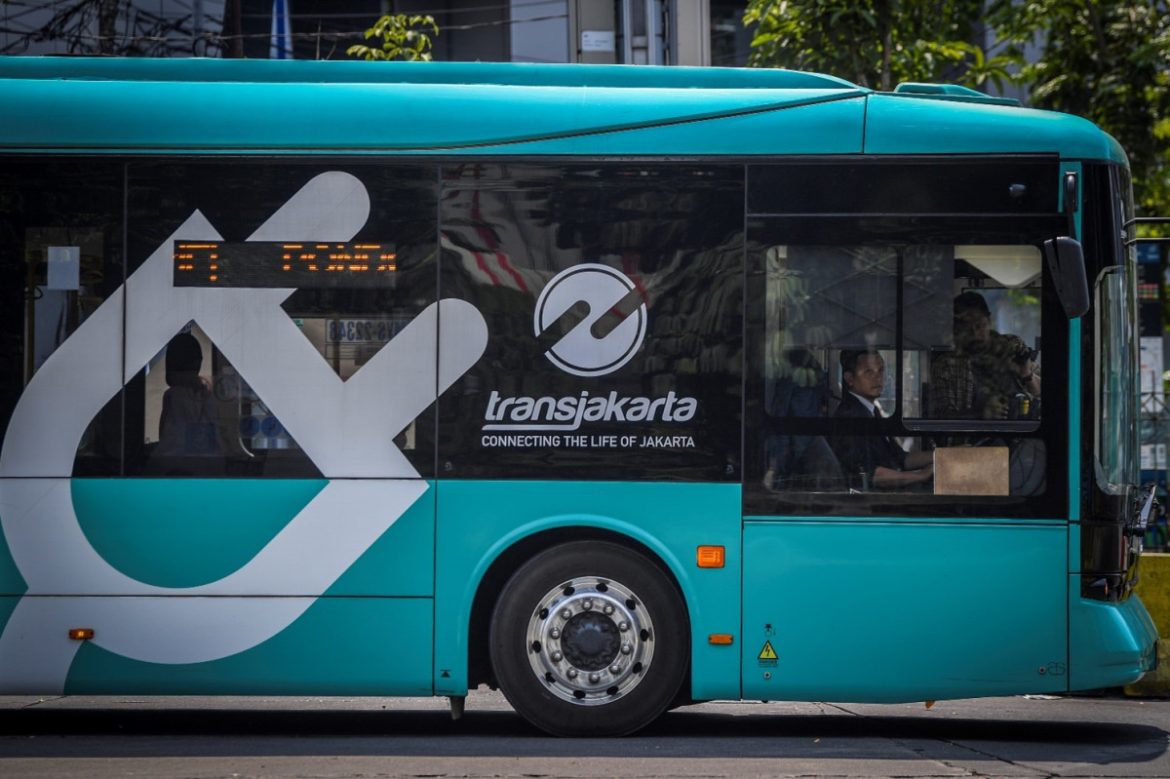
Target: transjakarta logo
{"points": [[581, 352], [567, 413], [602, 288]]}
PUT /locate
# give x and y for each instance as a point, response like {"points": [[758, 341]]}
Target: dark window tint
{"points": [[612, 296], [987, 186], [302, 275], [871, 387], [60, 259]]}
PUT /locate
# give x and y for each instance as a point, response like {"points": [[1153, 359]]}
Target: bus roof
{"points": [[216, 106]]}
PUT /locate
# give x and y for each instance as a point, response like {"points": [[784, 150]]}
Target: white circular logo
{"points": [[592, 347]]}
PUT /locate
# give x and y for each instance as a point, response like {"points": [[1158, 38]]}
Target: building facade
{"points": [[642, 32]]}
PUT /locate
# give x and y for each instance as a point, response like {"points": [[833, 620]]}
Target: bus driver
{"points": [[881, 463]]}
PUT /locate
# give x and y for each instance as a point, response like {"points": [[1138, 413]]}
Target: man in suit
{"points": [[876, 459]]}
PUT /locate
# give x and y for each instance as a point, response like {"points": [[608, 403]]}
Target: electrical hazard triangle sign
{"points": [[767, 655]]}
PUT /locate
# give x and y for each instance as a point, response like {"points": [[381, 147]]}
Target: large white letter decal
{"points": [[346, 428]]}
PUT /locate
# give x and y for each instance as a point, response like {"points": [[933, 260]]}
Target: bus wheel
{"points": [[589, 639]]}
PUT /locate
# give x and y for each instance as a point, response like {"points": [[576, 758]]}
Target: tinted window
{"points": [[1022, 185], [60, 259], [306, 273], [871, 387], [612, 296]]}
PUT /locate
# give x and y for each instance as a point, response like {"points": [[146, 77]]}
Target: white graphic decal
{"points": [[345, 428], [581, 352]]}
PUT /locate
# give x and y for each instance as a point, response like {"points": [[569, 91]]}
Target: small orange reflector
{"points": [[721, 639], [710, 556], [81, 634]]}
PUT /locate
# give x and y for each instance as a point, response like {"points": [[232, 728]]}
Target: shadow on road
{"points": [[33, 732]]}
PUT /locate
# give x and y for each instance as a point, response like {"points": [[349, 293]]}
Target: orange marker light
{"points": [[81, 634], [721, 639], [710, 556]]}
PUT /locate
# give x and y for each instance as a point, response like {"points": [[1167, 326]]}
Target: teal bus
{"points": [[618, 388]]}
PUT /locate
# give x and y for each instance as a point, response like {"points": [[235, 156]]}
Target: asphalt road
{"points": [[415, 737]]}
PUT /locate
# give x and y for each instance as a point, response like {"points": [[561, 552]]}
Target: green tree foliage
{"points": [[873, 43], [403, 38], [1108, 61]]}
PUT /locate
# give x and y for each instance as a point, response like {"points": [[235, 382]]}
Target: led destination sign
{"points": [[260, 264]]}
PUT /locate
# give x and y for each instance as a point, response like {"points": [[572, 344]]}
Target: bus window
{"points": [[613, 295], [338, 260], [60, 258], [823, 303], [986, 365], [909, 369], [982, 375]]}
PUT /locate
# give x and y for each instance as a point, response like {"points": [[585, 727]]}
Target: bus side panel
{"points": [[885, 612], [184, 582], [479, 520], [340, 646], [184, 533]]}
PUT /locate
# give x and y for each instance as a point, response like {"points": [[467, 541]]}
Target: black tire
{"points": [[590, 639]]}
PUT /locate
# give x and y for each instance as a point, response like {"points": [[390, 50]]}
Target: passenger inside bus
{"points": [[873, 461], [189, 423], [989, 375]]}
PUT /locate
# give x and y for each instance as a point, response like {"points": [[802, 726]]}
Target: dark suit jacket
{"points": [[861, 455]]}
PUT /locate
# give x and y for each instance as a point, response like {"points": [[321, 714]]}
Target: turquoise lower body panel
{"points": [[478, 521], [878, 611], [340, 646], [188, 532], [185, 532], [1112, 643], [217, 586]]}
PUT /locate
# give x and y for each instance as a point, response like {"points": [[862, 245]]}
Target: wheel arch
{"points": [[504, 559]]}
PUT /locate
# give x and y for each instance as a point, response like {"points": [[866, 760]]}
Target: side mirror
{"points": [[1066, 264]]}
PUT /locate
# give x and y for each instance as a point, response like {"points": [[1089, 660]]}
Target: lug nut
{"points": [[627, 648], [623, 626], [554, 633], [615, 669], [594, 678], [566, 614], [571, 673], [587, 604], [608, 609], [557, 657]]}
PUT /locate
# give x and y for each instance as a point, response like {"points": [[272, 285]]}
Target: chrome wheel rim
{"points": [[590, 641]]}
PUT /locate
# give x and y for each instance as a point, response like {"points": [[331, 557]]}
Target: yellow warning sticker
{"points": [[767, 655]]}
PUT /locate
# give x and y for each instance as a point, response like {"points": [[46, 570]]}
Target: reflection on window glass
{"points": [[667, 241], [839, 296], [858, 339], [1116, 321], [60, 258], [334, 286], [987, 367]]}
